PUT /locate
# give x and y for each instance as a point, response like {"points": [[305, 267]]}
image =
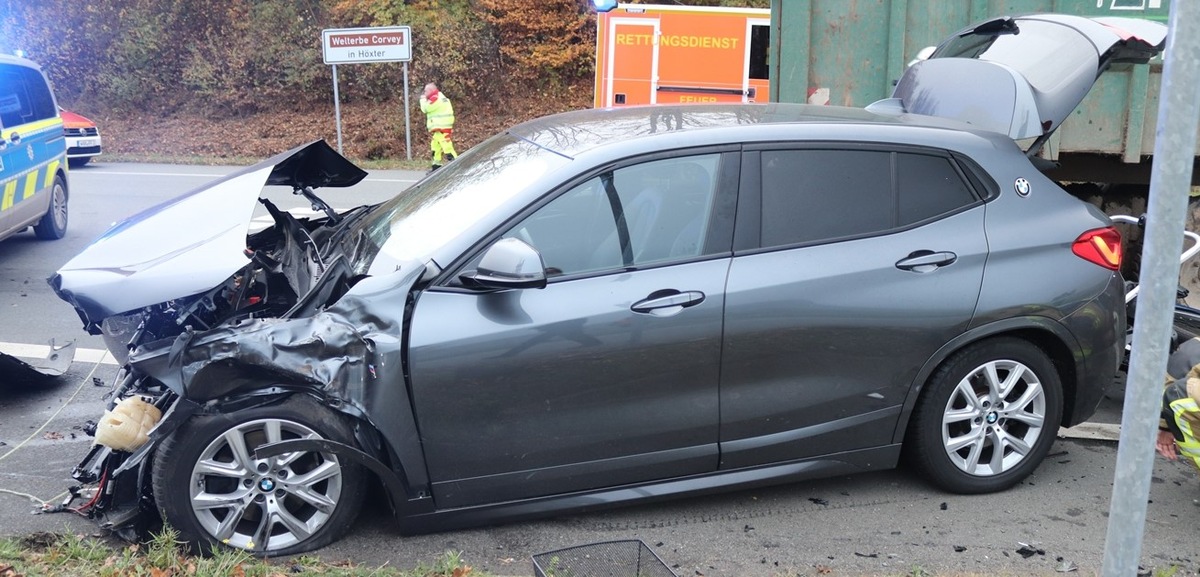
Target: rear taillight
{"points": [[1101, 246]]}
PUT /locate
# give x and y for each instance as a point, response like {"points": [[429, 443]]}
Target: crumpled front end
{"points": [[295, 315], [348, 356], [338, 351]]}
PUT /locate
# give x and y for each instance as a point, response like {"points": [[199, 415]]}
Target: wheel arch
{"points": [[176, 466], [1047, 334], [373, 450], [60, 173]]}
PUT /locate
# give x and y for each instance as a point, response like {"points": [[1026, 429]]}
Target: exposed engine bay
{"points": [[283, 315]]}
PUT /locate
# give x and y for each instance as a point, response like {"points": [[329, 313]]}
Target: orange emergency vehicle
{"points": [[648, 54]]}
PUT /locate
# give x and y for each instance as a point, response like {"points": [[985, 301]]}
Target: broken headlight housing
{"points": [[120, 332]]}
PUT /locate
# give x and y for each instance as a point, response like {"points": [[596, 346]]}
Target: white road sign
{"points": [[359, 45]]}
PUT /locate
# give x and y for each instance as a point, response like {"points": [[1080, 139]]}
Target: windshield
{"points": [[439, 208]]}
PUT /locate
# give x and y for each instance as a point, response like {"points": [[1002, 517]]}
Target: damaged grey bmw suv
{"points": [[611, 305]]}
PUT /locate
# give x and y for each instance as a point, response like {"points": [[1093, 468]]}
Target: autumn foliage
{"points": [[552, 43], [238, 57], [246, 77]]}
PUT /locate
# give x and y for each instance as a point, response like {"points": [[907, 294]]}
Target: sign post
{"points": [[362, 46], [337, 109]]}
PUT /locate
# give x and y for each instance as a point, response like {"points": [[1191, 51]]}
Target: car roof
{"points": [[19, 61], [574, 133]]}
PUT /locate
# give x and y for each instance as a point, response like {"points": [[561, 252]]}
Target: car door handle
{"points": [[667, 302], [926, 261]]}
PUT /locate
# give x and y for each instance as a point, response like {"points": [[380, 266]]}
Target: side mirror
{"points": [[510, 263]]}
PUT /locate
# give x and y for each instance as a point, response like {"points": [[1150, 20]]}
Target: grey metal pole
{"points": [[1174, 149], [337, 108], [407, 131]]}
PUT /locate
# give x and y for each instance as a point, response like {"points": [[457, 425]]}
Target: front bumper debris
{"points": [[55, 364]]}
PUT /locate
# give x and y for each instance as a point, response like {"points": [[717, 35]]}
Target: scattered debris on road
{"points": [[1065, 566], [55, 364], [1029, 550]]}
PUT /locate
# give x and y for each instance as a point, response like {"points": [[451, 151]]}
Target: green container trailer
{"points": [[851, 53]]}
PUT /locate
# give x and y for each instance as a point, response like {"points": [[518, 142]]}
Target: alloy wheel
{"points": [[263, 504], [994, 418], [58, 207]]}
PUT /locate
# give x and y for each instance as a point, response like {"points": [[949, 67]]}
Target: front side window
{"points": [[630, 217], [24, 96], [41, 100], [14, 100], [441, 207]]}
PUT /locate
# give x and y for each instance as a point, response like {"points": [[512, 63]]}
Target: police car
{"points": [[33, 153]]}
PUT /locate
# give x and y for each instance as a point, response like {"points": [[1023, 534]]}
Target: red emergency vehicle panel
{"points": [[648, 54]]}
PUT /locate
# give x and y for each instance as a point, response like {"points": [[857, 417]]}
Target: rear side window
{"points": [[928, 186], [817, 195], [24, 96], [811, 195]]}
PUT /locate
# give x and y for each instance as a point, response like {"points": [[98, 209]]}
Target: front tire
{"points": [[209, 487], [53, 225], [987, 417]]}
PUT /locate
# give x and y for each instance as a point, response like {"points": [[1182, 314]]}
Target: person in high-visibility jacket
{"points": [[1179, 425], [439, 119]]}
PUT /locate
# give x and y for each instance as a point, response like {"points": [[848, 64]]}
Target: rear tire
{"points": [[987, 417], [53, 225], [209, 487]]}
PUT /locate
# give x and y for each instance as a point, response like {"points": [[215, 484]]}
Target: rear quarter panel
{"points": [[1031, 269], [1074, 307]]}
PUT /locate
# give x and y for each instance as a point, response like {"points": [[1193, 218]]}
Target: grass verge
{"points": [[51, 555]]}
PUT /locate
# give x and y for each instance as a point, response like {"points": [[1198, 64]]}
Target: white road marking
{"points": [[105, 173], [263, 221], [218, 175], [23, 350]]}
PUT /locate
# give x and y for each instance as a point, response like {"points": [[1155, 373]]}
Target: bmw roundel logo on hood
{"points": [[1022, 186]]}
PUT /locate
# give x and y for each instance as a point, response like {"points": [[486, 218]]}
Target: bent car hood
{"points": [[193, 242], [1027, 73]]}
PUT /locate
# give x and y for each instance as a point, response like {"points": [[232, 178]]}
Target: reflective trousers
{"points": [[441, 144]]}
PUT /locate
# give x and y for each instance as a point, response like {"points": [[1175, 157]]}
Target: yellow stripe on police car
{"points": [[27, 184], [10, 190], [51, 170]]}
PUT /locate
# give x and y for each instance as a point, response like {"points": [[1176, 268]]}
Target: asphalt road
{"points": [[879, 523]]}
